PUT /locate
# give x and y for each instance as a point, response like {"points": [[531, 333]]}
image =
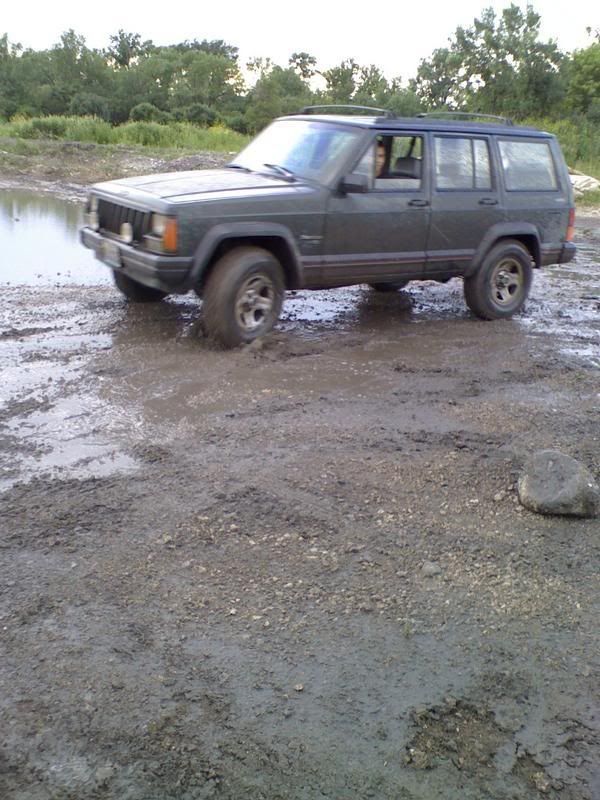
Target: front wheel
{"points": [[137, 292], [501, 285], [243, 296]]}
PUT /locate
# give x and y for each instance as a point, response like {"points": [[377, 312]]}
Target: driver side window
{"points": [[393, 163]]}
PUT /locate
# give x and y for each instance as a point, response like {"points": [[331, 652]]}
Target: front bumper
{"points": [[168, 273]]}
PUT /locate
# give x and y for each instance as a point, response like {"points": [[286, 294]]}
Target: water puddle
{"points": [[50, 424], [40, 246]]}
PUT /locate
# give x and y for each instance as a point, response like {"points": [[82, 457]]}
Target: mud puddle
{"points": [[40, 247]]}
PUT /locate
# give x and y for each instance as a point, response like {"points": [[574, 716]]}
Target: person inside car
{"points": [[380, 159]]}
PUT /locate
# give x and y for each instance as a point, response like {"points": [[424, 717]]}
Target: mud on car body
{"points": [[302, 207]]}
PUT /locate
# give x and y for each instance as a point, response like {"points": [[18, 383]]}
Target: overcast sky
{"points": [[393, 35]]}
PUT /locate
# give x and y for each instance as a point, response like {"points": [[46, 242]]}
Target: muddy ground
{"points": [[297, 570]]}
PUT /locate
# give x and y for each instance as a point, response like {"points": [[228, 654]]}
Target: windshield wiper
{"points": [[232, 165], [285, 173]]}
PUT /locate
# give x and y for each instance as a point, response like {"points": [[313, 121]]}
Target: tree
{"points": [[584, 84], [215, 47], [85, 104], [498, 65], [127, 48], [341, 81], [9, 81], [304, 65], [278, 91]]}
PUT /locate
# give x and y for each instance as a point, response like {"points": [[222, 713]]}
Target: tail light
{"points": [[571, 226]]}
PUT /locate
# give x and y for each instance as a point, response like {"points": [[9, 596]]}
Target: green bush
{"points": [[146, 112], [89, 129], [200, 114], [85, 104]]}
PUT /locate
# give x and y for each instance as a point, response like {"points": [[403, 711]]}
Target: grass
{"points": [[589, 200], [178, 135]]}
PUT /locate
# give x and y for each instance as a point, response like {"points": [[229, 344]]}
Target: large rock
{"points": [[553, 483], [583, 183]]}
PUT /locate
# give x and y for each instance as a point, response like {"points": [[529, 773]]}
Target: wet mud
{"points": [[299, 569]]}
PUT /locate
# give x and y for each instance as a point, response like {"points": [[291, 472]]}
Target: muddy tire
{"points": [[137, 292], [243, 296], [501, 285], [393, 286]]}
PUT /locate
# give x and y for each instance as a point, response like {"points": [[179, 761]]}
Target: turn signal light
{"points": [[571, 225], [170, 235]]}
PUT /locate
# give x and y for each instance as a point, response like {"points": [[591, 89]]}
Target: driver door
{"points": [[380, 235]]}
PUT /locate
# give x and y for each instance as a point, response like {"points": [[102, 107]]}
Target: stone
{"points": [[430, 568], [554, 483]]}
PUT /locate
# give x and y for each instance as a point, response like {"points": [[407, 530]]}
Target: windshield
{"points": [[306, 149]]}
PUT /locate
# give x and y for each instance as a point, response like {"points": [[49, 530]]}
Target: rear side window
{"points": [[528, 166], [462, 164]]}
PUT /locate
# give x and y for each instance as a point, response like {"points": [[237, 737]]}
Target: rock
{"points": [[542, 784], [430, 568], [554, 483], [584, 183]]}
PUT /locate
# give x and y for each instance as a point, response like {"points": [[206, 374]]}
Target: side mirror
{"points": [[355, 183]]}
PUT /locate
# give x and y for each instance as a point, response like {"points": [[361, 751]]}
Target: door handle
{"points": [[418, 202], [488, 201]]}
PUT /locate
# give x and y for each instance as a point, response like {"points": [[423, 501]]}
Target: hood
{"points": [[179, 186]]}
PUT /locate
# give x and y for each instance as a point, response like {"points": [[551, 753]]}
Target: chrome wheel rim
{"points": [[254, 302], [507, 281]]}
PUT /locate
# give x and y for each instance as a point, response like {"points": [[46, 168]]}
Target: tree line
{"points": [[497, 65]]}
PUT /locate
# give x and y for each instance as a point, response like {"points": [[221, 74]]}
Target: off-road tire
{"points": [[392, 286], [137, 292], [501, 285], [243, 296]]}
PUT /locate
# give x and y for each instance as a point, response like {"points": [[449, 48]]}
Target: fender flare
{"points": [[504, 230], [246, 230]]}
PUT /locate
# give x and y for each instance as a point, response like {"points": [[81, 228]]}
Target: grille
{"points": [[112, 216]]}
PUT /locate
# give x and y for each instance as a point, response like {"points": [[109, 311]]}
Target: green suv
{"points": [[325, 200]]}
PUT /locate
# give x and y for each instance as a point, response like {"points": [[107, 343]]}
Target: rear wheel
{"points": [[501, 285], [243, 296], [393, 286], [137, 292]]}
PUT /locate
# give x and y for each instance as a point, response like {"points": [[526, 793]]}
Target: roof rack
{"points": [[381, 111], [467, 115]]}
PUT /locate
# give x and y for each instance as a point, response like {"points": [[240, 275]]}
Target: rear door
{"points": [[382, 234], [465, 200], [536, 191]]}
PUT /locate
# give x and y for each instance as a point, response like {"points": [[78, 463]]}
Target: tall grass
{"points": [[183, 135]]}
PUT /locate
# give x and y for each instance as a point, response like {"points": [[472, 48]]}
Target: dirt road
{"points": [[297, 570]]}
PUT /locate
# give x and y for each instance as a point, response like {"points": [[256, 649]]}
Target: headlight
{"points": [[159, 224], [165, 229], [93, 203]]}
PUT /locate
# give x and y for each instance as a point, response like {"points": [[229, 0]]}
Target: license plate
{"points": [[109, 253]]}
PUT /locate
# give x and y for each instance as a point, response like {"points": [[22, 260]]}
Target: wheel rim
{"points": [[254, 302], [508, 282]]}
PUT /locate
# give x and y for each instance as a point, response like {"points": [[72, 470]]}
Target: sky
{"points": [[394, 36]]}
